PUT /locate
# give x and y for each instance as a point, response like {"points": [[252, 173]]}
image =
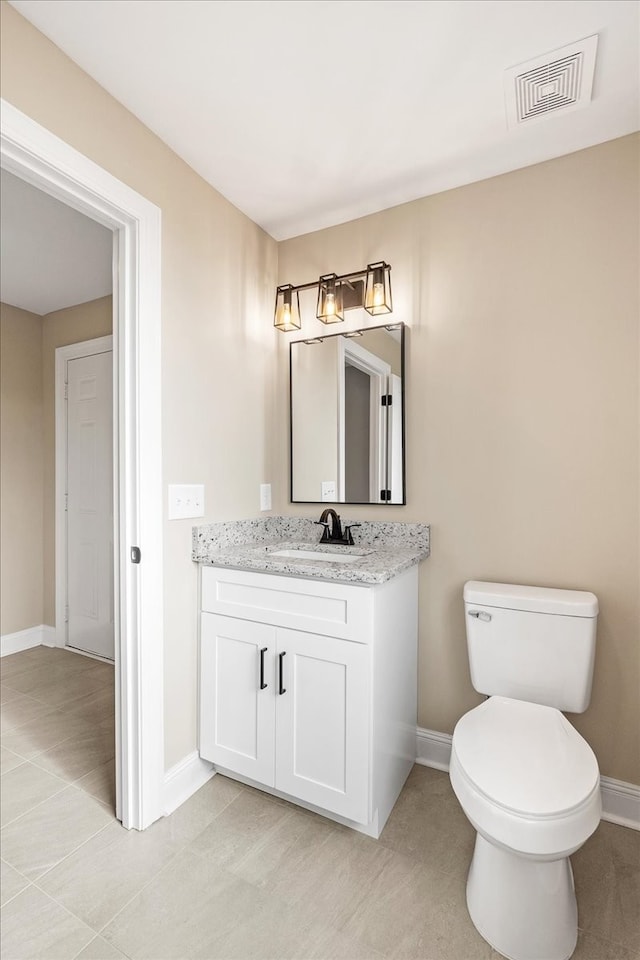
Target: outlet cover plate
{"points": [[265, 496], [328, 494]]}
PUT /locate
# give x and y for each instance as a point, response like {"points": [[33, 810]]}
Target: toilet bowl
{"points": [[525, 778], [530, 786]]}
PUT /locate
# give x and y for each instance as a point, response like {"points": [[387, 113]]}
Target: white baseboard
{"points": [[183, 779], [26, 639], [433, 749], [620, 800], [49, 638]]}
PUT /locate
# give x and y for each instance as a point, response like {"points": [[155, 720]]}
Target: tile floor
{"points": [[234, 873]]}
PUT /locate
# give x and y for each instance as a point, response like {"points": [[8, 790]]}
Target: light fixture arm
{"points": [[342, 278]]}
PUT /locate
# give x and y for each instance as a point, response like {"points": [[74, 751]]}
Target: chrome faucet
{"points": [[333, 532]]}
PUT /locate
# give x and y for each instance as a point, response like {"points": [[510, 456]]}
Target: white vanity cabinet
{"points": [[308, 688]]}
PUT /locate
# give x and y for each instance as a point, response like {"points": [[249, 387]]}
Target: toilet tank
{"points": [[531, 643]]}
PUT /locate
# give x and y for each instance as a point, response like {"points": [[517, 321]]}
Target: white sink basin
{"points": [[316, 555]]}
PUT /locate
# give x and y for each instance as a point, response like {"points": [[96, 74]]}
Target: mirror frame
{"points": [[399, 324]]}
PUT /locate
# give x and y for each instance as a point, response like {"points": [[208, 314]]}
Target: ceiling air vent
{"points": [[561, 80]]}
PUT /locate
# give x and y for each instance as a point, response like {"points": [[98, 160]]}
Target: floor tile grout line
{"points": [[182, 848], [40, 802], [11, 899], [65, 786], [54, 746], [59, 705], [71, 914], [14, 752], [28, 883], [137, 894], [35, 881], [46, 750], [125, 955], [66, 857], [68, 783], [50, 707]]}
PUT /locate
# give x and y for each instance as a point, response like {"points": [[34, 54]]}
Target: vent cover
{"points": [[561, 80]]}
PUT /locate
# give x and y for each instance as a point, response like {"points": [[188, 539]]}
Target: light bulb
{"points": [[286, 312], [378, 294], [330, 305]]}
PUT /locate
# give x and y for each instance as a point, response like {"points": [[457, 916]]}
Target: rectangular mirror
{"points": [[347, 417]]}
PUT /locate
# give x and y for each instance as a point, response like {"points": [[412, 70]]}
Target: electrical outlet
{"points": [[265, 496], [328, 488], [186, 501]]}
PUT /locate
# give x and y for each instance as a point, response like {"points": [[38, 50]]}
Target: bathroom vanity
{"points": [[308, 662]]}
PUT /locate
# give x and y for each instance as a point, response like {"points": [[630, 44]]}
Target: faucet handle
{"points": [[347, 532], [325, 533]]}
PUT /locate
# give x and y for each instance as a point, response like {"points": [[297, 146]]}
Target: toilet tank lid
{"points": [[512, 596]]}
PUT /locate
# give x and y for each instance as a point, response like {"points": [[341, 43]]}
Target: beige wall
{"points": [[82, 322], [21, 469], [521, 293], [218, 278]]}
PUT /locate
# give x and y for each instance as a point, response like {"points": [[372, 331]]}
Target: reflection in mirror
{"points": [[347, 417]]}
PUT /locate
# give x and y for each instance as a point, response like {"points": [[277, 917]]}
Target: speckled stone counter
{"points": [[384, 549]]}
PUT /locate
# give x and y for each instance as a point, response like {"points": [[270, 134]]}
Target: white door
{"points": [[90, 504], [322, 722], [237, 686]]}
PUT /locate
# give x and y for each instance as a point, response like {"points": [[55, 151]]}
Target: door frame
{"points": [[36, 155], [378, 371], [73, 351]]}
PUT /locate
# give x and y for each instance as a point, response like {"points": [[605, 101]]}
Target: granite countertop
{"points": [[383, 549]]}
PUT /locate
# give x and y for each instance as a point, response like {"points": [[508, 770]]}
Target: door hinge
{"points": [[66, 614], [136, 555], [66, 391], [66, 501], [387, 400]]}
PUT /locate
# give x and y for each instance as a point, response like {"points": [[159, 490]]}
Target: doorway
{"points": [[37, 156]]}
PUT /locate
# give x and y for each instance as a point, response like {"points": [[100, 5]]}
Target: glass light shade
{"points": [[287, 315], [330, 308], [377, 293]]}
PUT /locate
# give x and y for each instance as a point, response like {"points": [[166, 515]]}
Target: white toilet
{"points": [[524, 776]]}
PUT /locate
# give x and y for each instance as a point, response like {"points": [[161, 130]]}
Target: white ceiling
{"points": [[51, 256], [307, 113]]}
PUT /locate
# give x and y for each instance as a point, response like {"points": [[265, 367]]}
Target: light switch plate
{"points": [[328, 494], [186, 501], [265, 496]]}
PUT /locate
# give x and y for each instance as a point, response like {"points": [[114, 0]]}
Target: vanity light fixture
{"points": [[287, 308], [330, 309], [370, 288], [377, 293]]}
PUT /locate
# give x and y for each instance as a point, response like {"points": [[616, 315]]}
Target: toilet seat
{"points": [[525, 777]]}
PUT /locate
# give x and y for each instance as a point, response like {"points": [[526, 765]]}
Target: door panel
{"points": [[322, 723], [90, 504], [237, 722]]}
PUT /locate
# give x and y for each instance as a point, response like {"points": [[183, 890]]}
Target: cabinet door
{"points": [[322, 722], [237, 715]]}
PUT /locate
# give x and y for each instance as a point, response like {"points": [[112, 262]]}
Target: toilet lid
{"points": [[525, 757]]}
